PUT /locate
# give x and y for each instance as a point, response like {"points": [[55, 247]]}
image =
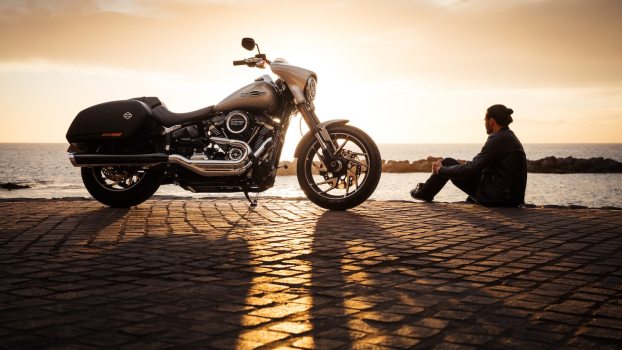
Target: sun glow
{"points": [[418, 71]]}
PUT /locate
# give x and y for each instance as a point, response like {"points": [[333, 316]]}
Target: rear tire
{"points": [[340, 191], [139, 185]]}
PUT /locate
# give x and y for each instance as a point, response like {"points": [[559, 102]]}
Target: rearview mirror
{"points": [[248, 43]]}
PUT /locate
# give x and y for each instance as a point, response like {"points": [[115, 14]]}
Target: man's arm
{"points": [[489, 153]]}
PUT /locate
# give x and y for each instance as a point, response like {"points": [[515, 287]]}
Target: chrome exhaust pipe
{"points": [[208, 167], [263, 147], [203, 167], [211, 167]]}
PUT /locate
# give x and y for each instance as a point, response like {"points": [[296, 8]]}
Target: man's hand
{"points": [[437, 166]]}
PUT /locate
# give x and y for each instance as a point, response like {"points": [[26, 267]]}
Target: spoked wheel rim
{"points": [[352, 176], [118, 179]]}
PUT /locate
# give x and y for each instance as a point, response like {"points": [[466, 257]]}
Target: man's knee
{"points": [[450, 162]]}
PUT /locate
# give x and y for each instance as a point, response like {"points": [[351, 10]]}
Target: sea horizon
{"points": [[421, 150], [398, 143], [46, 169]]}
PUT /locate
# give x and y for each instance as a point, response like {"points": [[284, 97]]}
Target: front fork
{"points": [[328, 145]]}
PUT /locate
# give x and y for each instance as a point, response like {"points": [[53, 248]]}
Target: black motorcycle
{"points": [[127, 149]]}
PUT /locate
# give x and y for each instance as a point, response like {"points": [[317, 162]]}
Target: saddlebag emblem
{"points": [[127, 115], [253, 93]]}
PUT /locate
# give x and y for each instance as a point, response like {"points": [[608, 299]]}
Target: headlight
{"points": [[310, 89]]}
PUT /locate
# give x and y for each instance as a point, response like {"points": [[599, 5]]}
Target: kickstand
{"points": [[252, 200]]}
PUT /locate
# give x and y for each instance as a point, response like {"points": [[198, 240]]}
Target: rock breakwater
{"points": [[550, 165]]}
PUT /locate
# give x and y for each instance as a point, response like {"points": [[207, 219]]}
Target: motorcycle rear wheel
{"points": [[122, 187], [345, 189]]}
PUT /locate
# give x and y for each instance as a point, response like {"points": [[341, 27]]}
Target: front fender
{"points": [[310, 133]]}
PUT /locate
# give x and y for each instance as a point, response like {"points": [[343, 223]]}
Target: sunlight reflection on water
{"points": [[46, 167]]}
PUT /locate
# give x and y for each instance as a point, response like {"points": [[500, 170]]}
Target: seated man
{"points": [[497, 176]]}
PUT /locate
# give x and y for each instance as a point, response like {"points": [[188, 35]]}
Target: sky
{"points": [[405, 71]]}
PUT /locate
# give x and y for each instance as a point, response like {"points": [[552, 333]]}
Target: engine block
{"points": [[200, 140]]}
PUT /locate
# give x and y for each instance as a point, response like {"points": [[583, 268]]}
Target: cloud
{"points": [[42, 66], [526, 43], [9, 8], [141, 8], [482, 4], [132, 7], [162, 8], [542, 122]]}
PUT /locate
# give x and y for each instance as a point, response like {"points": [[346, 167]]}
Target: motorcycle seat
{"points": [[168, 118]]}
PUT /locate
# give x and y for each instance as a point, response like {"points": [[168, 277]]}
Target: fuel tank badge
{"points": [[127, 115], [253, 93]]}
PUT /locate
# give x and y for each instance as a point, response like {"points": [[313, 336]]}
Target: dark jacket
{"points": [[501, 166]]}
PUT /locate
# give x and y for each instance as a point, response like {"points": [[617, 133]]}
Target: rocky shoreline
{"points": [[13, 186], [548, 165]]}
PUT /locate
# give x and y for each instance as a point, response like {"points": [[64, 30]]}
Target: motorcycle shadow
{"points": [[354, 269], [156, 290]]}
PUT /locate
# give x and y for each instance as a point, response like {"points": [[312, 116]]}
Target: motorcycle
{"points": [[126, 149]]}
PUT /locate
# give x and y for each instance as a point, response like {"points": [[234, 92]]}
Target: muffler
{"points": [[87, 160], [199, 165]]}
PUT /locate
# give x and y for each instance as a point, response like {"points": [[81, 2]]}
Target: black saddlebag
{"points": [[117, 121]]}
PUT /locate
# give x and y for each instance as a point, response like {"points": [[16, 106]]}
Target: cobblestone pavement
{"points": [[213, 274]]}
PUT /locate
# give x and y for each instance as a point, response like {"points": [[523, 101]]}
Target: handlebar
{"points": [[257, 61]]}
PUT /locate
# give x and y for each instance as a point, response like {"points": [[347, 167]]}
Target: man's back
{"points": [[504, 179]]}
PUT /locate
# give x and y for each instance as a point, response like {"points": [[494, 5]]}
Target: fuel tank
{"points": [[259, 96]]}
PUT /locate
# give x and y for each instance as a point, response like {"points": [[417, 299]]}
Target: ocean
{"points": [[46, 168]]}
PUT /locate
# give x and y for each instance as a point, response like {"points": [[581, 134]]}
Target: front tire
{"points": [[348, 187], [122, 187]]}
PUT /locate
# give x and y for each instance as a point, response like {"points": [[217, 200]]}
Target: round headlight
{"points": [[310, 89]]}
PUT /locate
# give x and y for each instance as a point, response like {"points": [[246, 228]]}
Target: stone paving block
{"points": [[452, 346], [415, 331], [292, 327], [604, 333], [468, 339], [263, 336], [207, 273]]}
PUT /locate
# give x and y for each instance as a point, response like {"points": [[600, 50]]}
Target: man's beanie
{"points": [[501, 114]]}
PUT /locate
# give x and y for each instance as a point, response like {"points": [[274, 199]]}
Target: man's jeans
{"points": [[436, 182]]}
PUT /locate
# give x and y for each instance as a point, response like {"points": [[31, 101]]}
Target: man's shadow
{"points": [[410, 289]]}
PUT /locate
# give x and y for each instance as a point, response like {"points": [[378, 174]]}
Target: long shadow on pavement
{"points": [[472, 278], [150, 292]]}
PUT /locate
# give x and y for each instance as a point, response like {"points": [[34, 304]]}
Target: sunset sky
{"points": [[406, 71]]}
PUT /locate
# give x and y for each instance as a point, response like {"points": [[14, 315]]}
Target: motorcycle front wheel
{"points": [[353, 182], [122, 186]]}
